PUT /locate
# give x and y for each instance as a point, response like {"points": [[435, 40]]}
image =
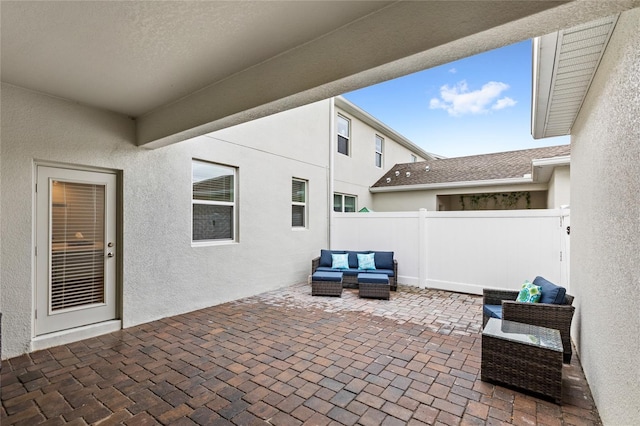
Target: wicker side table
{"points": [[523, 355], [326, 284]]}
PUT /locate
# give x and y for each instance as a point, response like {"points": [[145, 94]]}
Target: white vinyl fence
{"points": [[463, 251]]}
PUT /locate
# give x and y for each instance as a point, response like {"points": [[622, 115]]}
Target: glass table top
{"points": [[524, 333]]}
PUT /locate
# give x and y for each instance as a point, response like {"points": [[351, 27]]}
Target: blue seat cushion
{"points": [[493, 311], [387, 272], [327, 276], [373, 278], [550, 293]]}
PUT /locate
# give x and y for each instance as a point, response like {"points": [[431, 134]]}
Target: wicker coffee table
{"points": [[523, 355]]}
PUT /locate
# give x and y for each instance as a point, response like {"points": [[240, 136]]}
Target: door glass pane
{"points": [[77, 244]]}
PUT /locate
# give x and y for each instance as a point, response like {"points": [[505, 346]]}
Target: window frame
{"points": [[413, 158], [305, 203], [379, 155], [347, 137], [233, 204], [343, 202]]}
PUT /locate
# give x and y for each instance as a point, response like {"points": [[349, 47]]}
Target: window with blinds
{"points": [[343, 203], [344, 134], [379, 145], [213, 202], [77, 245], [298, 203]]}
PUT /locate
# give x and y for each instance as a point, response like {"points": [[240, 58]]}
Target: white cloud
{"points": [[504, 103], [459, 100], [453, 70]]}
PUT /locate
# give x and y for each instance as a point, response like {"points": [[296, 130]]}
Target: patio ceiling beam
{"points": [[400, 39]]}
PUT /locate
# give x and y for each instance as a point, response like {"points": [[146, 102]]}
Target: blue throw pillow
{"points": [[384, 259], [366, 261], [339, 261], [325, 257], [530, 293], [550, 293], [353, 258]]}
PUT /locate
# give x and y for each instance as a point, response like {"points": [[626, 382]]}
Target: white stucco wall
{"points": [[605, 228], [355, 173], [405, 201], [559, 188], [162, 273], [428, 199]]}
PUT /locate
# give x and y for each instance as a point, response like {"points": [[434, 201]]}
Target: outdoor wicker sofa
{"points": [[385, 264], [549, 315]]}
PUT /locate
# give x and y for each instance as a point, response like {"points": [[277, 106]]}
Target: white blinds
{"points": [[77, 244]]}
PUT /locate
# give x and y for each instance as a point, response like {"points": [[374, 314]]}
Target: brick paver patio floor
{"points": [[286, 358]]}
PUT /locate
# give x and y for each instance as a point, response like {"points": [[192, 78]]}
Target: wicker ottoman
{"points": [[373, 285], [523, 355], [325, 283]]}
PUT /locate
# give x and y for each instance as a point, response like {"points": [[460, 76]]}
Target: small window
{"points": [[213, 202], [379, 145], [413, 158], [343, 203], [298, 203], [344, 134]]}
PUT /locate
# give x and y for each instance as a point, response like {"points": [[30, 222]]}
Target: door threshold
{"points": [[74, 334]]}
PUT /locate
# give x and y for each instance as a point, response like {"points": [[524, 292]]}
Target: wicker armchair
{"points": [[541, 314]]}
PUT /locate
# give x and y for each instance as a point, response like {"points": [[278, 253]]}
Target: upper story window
{"points": [[343, 203], [344, 135], [413, 158], [298, 203], [379, 147], [213, 200]]}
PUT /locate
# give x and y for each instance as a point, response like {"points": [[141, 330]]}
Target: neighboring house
{"points": [[361, 147], [525, 179], [365, 148]]}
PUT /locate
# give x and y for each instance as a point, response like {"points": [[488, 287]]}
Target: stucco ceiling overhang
{"points": [[183, 69], [564, 63]]}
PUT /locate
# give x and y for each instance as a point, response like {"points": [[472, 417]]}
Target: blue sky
{"points": [[477, 105]]}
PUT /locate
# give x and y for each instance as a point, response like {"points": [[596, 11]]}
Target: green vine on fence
{"points": [[506, 200]]}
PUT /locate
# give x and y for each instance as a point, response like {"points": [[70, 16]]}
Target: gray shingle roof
{"points": [[501, 165]]}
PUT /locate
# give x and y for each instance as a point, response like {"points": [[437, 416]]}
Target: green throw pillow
{"points": [[529, 293]]}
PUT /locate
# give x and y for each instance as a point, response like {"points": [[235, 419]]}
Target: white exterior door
{"points": [[75, 249]]}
